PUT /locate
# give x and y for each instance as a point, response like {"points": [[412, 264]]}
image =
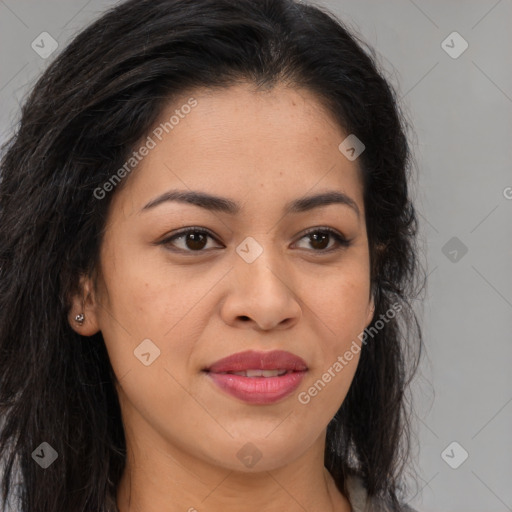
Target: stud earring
{"points": [[80, 318]]}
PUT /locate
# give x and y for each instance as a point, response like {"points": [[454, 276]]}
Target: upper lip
{"points": [[254, 360]]}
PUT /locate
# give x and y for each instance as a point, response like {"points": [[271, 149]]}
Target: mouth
{"points": [[252, 360], [257, 373], [258, 377]]}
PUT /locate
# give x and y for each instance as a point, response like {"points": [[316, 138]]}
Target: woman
{"points": [[207, 257]]}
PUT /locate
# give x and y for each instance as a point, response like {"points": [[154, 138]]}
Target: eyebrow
{"points": [[225, 205]]}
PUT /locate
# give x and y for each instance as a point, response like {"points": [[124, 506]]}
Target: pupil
{"points": [[194, 240], [323, 237]]}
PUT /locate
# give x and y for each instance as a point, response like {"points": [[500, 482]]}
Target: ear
{"points": [[84, 302], [371, 311]]}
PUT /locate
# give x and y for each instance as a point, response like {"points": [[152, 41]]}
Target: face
{"points": [[183, 286]]}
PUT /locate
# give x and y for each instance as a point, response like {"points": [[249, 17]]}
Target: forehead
{"points": [[263, 145]]}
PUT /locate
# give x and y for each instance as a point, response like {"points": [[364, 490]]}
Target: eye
{"points": [[193, 239], [319, 238]]}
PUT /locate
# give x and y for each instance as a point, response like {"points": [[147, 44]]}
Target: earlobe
{"points": [[83, 316]]}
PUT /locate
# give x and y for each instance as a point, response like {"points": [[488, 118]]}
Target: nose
{"points": [[262, 294]]}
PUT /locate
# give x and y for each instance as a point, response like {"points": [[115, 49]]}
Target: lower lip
{"points": [[258, 390]]}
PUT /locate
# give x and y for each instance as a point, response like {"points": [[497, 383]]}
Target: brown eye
{"points": [[319, 239], [192, 240], [195, 240]]}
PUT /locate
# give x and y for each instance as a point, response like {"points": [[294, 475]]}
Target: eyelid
{"points": [[184, 231]]}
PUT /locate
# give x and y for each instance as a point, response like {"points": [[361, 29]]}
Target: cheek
{"points": [[341, 308], [341, 303], [154, 303], [138, 293]]}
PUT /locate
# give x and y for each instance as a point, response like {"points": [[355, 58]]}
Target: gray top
{"points": [[360, 502]]}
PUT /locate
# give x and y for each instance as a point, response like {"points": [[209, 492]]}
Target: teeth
{"points": [[260, 373]]}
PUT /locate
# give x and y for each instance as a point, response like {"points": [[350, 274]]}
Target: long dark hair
{"points": [[83, 118]]}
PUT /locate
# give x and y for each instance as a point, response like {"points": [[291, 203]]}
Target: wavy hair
{"points": [[80, 122]]}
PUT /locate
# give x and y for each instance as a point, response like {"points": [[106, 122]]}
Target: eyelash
{"points": [[340, 239]]}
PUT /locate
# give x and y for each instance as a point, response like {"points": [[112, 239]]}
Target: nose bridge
{"points": [[261, 280], [258, 258]]}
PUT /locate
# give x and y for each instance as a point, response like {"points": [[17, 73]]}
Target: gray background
{"points": [[461, 110]]}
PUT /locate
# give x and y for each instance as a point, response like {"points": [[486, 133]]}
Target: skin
{"points": [[183, 433]]}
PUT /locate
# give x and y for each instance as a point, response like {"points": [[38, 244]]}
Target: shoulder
{"points": [[360, 501]]}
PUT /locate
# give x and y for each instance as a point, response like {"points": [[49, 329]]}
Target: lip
{"points": [[258, 390], [252, 359]]}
